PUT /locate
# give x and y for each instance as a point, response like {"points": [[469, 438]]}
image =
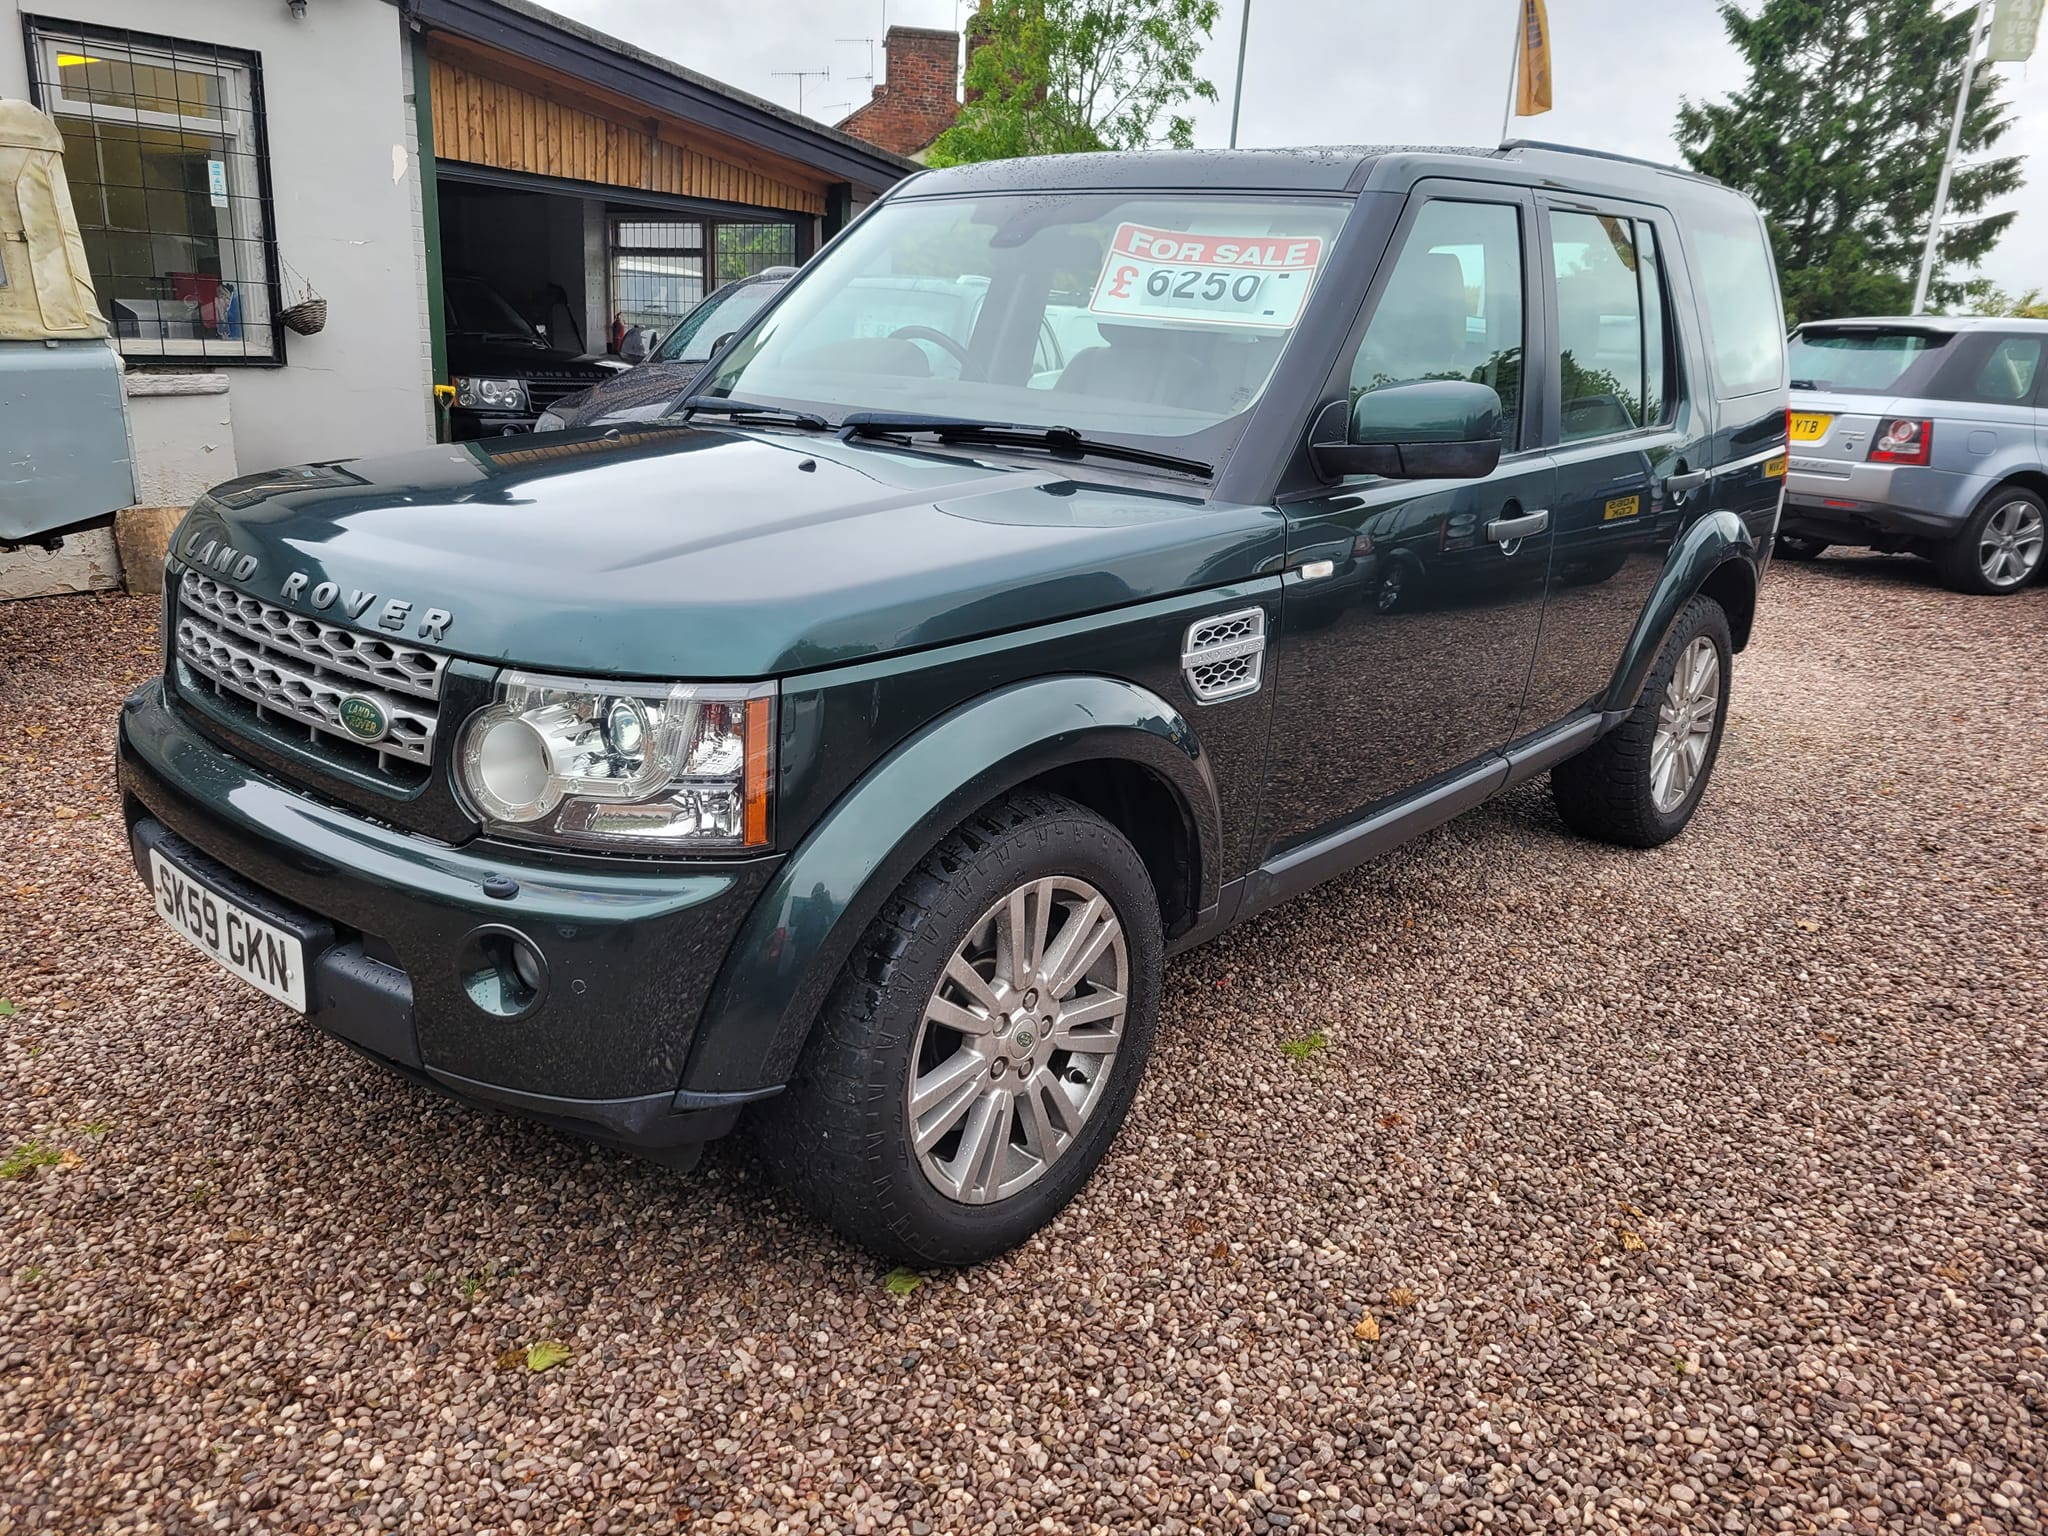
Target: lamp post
{"points": [[1979, 24], [1244, 32]]}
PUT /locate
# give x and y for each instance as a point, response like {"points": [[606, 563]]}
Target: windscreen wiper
{"points": [[1064, 441], [723, 405]]}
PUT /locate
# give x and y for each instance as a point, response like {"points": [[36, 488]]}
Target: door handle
{"points": [[1679, 486], [1505, 530]]}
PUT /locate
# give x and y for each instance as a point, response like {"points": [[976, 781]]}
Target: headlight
{"points": [[491, 394], [656, 767], [550, 422]]}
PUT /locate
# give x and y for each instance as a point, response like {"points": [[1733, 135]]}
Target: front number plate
{"points": [[1809, 426], [261, 953]]}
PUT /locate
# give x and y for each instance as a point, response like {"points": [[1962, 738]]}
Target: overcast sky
{"points": [[1342, 72]]}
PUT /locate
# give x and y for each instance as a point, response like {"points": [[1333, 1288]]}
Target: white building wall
{"points": [[344, 171]]}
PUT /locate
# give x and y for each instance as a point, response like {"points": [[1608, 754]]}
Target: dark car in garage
{"points": [[505, 371], [658, 384]]}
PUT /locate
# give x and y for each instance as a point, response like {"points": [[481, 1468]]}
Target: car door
{"points": [[1406, 658], [1630, 439]]}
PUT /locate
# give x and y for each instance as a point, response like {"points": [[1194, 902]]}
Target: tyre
{"points": [[2000, 547], [1640, 783], [982, 1046], [1797, 546]]}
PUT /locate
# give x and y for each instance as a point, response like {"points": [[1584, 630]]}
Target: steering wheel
{"points": [[937, 338]]}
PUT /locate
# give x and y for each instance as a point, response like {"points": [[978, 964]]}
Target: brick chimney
{"points": [[920, 95]]}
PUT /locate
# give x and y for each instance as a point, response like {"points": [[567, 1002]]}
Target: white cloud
{"points": [[1343, 72]]}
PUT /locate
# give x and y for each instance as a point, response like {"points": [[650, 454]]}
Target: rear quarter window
{"points": [[1992, 369], [1739, 287]]}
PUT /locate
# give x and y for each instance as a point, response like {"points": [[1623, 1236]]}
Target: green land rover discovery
{"points": [[1077, 558]]}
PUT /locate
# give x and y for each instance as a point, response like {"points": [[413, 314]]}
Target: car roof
{"points": [[1314, 169], [1956, 323]]}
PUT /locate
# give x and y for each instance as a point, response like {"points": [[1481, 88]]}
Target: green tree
{"points": [[1056, 77], [1981, 296], [1838, 136]]}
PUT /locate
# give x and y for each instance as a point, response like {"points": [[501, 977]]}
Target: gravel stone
{"points": [[1693, 1190]]}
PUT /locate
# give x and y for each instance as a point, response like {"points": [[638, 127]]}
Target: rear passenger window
{"points": [[1745, 322], [1452, 308], [2008, 375], [1613, 369]]}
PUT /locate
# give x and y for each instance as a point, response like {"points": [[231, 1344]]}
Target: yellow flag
{"points": [[1532, 94]]}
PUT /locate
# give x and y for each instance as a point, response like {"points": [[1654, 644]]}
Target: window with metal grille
{"points": [[660, 270], [657, 271], [745, 249], [169, 171]]}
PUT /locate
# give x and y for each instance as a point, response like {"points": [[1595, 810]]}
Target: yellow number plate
{"points": [[1809, 426]]}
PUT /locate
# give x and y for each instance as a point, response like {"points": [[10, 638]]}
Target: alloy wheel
{"points": [[2009, 549], [1685, 724], [1016, 1044]]}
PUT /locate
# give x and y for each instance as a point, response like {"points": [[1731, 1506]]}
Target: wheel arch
{"points": [[1716, 557], [1108, 744], [2035, 480]]}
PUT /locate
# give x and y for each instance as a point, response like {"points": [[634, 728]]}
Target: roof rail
{"points": [[1607, 154]]}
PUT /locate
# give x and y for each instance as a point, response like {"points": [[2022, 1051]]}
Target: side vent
{"points": [[1223, 658]]}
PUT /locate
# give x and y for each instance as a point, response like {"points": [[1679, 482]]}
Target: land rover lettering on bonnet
{"points": [[301, 587], [1076, 558]]}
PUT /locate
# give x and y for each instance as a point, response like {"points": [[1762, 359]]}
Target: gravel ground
{"points": [[1686, 1190]]}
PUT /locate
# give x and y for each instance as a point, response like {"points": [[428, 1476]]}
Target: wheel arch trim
{"points": [[780, 968], [1718, 549]]}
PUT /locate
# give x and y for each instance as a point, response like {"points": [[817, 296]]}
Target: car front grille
{"points": [[297, 671], [543, 392]]}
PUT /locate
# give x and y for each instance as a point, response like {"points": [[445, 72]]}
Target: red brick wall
{"points": [[919, 99]]}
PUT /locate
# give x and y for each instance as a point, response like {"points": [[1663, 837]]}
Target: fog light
{"points": [[502, 971]]}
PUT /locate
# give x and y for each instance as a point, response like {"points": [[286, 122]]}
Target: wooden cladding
{"points": [[482, 119]]}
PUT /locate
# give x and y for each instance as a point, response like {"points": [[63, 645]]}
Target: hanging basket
{"points": [[308, 317], [307, 312]]}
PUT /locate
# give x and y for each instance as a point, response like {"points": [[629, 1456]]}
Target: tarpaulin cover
{"points": [[47, 292]]}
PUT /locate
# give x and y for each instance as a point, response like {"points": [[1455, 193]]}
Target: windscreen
{"points": [[696, 334], [1136, 317], [476, 309], [1861, 362]]}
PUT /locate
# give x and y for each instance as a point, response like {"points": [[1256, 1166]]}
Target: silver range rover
{"points": [[1927, 435]]}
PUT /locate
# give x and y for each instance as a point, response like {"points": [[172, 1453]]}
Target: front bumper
{"points": [[631, 947]]}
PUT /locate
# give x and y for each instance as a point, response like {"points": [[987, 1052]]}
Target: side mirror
{"points": [[638, 343], [1437, 429]]}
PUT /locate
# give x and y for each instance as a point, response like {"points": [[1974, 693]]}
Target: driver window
{"points": [[1452, 308]]}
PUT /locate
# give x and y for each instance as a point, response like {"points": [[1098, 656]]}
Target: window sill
{"points": [[203, 362]]}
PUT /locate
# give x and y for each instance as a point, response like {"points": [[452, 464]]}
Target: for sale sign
{"points": [[1172, 274]]}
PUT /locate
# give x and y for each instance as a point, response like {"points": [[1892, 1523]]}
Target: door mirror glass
{"points": [[1431, 429]]}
